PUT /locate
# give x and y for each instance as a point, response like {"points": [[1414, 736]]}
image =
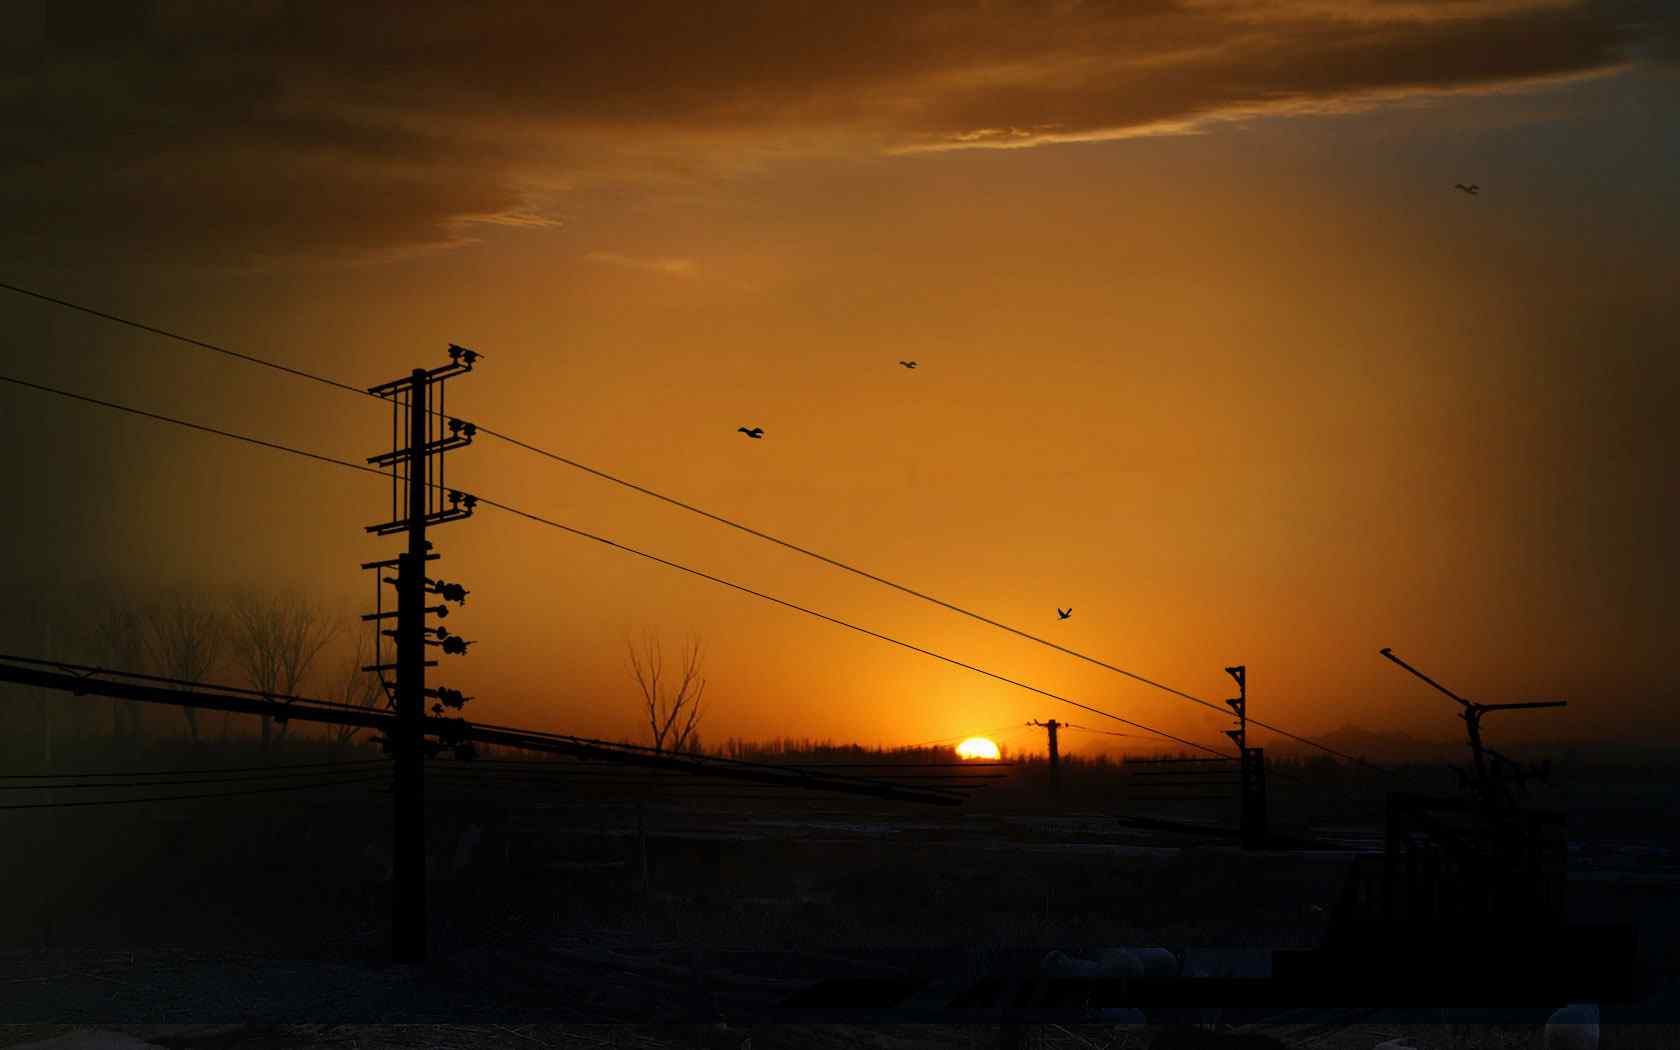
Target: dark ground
{"points": [[269, 912]]}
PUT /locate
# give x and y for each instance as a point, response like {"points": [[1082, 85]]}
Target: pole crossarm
{"points": [[1388, 654], [1523, 706]]}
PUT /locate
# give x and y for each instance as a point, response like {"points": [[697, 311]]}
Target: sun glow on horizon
{"points": [[977, 747]]}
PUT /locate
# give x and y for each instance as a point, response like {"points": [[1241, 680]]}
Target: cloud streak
{"points": [[275, 129], [670, 267]]}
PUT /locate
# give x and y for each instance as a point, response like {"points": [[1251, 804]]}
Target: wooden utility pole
{"points": [[1050, 728]]}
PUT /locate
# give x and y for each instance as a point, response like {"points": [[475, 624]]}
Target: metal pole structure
{"points": [[1050, 728], [1254, 798], [1251, 783], [408, 853], [1483, 786], [417, 496]]}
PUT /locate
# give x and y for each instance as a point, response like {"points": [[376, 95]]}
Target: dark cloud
{"points": [[239, 131]]}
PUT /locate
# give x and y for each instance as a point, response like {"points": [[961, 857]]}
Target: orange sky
{"points": [[1214, 354]]}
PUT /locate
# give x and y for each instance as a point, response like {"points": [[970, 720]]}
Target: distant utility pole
{"points": [[1050, 728], [417, 500], [1489, 781], [1252, 785]]}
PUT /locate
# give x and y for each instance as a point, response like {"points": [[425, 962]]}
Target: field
{"points": [[272, 909]]}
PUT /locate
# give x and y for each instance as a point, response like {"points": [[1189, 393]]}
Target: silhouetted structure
{"points": [[1459, 874], [412, 468], [1050, 728], [1252, 779], [1179, 779]]}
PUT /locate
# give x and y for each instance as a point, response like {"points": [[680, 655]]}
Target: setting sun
{"points": [[977, 747]]}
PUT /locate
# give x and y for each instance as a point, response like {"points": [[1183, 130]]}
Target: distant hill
{"points": [[1373, 744], [1381, 746]]}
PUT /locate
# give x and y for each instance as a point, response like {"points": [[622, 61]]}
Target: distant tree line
{"points": [[274, 641]]}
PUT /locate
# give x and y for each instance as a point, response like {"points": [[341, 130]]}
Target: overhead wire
{"points": [[189, 772], [88, 671], [491, 432], [954, 739], [192, 426], [540, 519], [363, 778], [1105, 732], [832, 619], [113, 785], [167, 334]]}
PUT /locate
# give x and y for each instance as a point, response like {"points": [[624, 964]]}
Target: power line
{"points": [[698, 763], [1105, 732], [358, 779], [488, 431], [831, 619], [86, 671], [954, 780], [541, 765], [167, 334], [109, 785], [839, 564], [956, 739], [582, 773], [716, 760], [627, 549], [193, 426], [190, 772], [961, 764], [482, 429]]}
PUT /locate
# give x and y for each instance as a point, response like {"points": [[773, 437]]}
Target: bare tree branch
{"points": [[186, 638], [358, 687], [120, 640], [276, 639], [672, 717]]}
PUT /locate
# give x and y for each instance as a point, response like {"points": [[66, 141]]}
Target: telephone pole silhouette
{"points": [[1252, 785], [1488, 782], [416, 501], [1050, 728]]}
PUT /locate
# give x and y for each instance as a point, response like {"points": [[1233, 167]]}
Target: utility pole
{"points": [[1050, 728], [1252, 783], [416, 501], [1488, 782]]}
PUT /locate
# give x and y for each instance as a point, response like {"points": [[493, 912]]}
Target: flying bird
{"points": [[908, 364], [1471, 189], [1062, 613], [755, 432]]}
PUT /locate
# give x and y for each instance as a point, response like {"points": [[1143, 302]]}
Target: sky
{"points": [[1209, 347]]}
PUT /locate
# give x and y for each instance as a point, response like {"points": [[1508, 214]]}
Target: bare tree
{"points": [[672, 707], [275, 640], [186, 638], [50, 647], [358, 688], [121, 642]]}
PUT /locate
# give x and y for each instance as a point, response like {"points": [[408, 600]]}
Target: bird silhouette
{"points": [[908, 364], [1062, 613], [755, 432], [1471, 189]]}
